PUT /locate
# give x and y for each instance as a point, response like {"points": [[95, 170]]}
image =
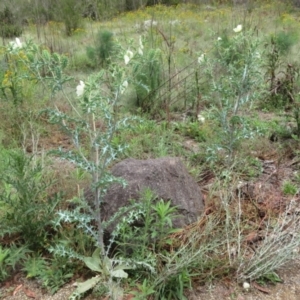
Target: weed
{"points": [[195, 130], [288, 188], [11, 258], [34, 266], [25, 186], [52, 273], [175, 268], [145, 290], [142, 232], [272, 278], [56, 273], [4, 253]]}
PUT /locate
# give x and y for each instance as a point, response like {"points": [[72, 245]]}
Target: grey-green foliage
{"points": [[27, 208], [96, 104], [139, 236], [104, 49], [31, 64], [94, 151], [235, 82], [107, 270]]}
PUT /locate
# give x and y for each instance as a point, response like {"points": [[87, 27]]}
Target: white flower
{"points": [[16, 44], [219, 39], [128, 56], [80, 88], [246, 286], [123, 87], [201, 58], [238, 28], [200, 118]]}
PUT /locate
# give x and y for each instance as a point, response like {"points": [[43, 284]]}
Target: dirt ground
{"points": [[289, 289]]}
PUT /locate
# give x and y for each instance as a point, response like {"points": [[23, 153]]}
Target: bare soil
{"points": [[289, 289]]}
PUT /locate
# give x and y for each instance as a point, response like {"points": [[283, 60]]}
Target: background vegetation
{"points": [[84, 84]]}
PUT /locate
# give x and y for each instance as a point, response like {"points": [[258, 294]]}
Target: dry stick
{"points": [[97, 190]]}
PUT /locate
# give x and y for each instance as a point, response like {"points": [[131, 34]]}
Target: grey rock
{"points": [[167, 177]]}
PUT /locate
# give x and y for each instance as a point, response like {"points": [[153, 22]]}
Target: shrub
{"points": [[147, 74], [8, 25], [285, 40], [281, 82], [103, 50], [27, 209], [69, 12]]}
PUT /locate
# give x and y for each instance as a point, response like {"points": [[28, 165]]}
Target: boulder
{"points": [[167, 177]]}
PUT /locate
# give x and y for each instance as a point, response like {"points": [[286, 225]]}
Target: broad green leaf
{"points": [[87, 285], [119, 274], [94, 262], [96, 255], [107, 266]]}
